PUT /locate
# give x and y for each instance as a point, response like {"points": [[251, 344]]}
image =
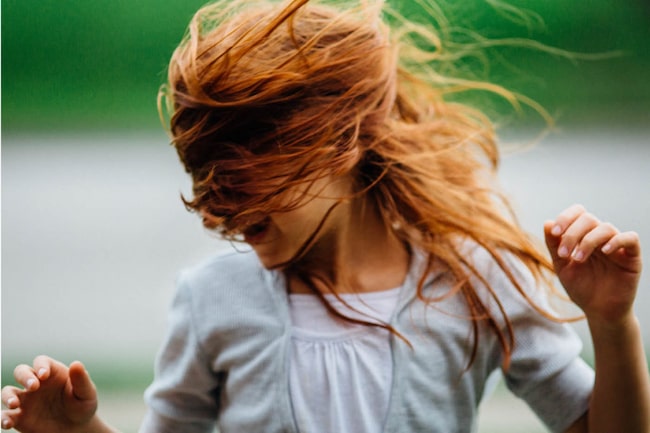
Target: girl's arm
{"points": [[55, 399], [600, 269]]}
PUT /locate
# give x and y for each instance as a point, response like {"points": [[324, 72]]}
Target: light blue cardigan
{"points": [[226, 355]]}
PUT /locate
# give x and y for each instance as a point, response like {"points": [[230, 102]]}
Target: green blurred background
{"points": [[88, 65]]}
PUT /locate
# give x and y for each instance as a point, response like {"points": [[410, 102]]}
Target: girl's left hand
{"points": [[598, 265]]}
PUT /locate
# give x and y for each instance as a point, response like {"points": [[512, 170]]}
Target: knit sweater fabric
{"points": [[225, 358]]}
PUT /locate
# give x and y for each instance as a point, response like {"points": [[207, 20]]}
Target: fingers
{"points": [[576, 234], [627, 241], [573, 235], [584, 240], [31, 377], [43, 366], [566, 218], [11, 400], [48, 383], [554, 231], [10, 397], [552, 241], [47, 374], [82, 386], [27, 377], [7, 421], [575, 224]]}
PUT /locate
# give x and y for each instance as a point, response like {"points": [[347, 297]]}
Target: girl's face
{"points": [[278, 237]]}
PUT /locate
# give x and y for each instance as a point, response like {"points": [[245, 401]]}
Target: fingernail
{"points": [[5, 423], [556, 230], [29, 383], [607, 248], [10, 402], [42, 372], [578, 256], [563, 252]]}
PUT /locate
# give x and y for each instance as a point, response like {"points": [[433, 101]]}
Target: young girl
{"points": [[383, 283]]}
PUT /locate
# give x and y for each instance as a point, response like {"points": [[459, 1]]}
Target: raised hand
{"points": [[55, 398], [598, 265]]}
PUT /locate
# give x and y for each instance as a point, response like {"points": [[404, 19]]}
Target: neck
{"points": [[357, 252]]}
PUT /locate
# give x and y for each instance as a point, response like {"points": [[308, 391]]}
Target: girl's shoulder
{"points": [[225, 305], [225, 275], [228, 262]]}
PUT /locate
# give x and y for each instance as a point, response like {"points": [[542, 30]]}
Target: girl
{"points": [[383, 283]]}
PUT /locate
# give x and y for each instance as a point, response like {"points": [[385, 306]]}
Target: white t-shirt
{"points": [[341, 373]]}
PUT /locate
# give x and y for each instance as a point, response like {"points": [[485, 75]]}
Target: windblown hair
{"points": [[263, 94]]}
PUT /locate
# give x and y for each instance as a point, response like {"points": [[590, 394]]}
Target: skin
{"points": [[56, 399], [600, 269], [598, 266], [350, 248]]}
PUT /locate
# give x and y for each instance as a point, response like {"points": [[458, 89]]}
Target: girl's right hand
{"points": [[55, 398]]}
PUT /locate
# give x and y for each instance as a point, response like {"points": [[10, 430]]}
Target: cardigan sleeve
{"points": [[184, 393], [548, 373], [546, 369]]}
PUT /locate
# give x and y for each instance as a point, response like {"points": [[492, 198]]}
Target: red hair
{"points": [[261, 92]]}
